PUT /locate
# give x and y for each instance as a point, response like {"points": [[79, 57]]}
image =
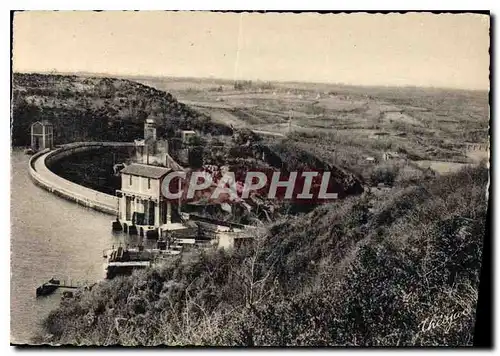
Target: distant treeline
{"points": [[248, 84]]}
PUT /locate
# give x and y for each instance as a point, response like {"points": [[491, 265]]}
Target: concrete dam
{"points": [[40, 173]]}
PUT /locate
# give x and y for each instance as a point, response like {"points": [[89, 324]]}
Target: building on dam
{"points": [[42, 135], [150, 149], [142, 209]]}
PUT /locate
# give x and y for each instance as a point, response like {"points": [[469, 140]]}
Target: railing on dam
{"points": [[44, 177]]}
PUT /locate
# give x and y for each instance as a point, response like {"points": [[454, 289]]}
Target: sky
{"points": [[414, 49]]}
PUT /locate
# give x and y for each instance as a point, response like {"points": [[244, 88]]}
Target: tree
{"points": [[23, 115]]}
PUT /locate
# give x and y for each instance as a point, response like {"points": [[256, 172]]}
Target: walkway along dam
{"points": [[40, 173]]}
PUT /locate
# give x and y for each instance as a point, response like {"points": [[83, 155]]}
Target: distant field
{"points": [[208, 104], [346, 124], [442, 167], [223, 117], [179, 85], [477, 156]]}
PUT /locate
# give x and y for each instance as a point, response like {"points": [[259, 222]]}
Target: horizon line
{"points": [[292, 81]]}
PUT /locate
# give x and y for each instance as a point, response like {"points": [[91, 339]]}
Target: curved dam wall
{"points": [[41, 174]]}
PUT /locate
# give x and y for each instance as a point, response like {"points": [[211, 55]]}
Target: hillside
{"points": [[398, 269], [97, 108]]}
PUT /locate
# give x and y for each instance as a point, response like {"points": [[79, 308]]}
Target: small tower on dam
{"points": [[150, 149], [42, 135], [150, 130]]}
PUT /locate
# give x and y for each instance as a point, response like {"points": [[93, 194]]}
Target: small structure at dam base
{"points": [[42, 135]]}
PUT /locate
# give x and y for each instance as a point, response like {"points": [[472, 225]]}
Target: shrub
{"points": [[385, 174]]}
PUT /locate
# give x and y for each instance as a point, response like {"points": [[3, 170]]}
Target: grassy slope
{"points": [[372, 270]]}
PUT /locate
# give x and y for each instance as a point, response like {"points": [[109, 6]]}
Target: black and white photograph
{"points": [[249, 178]]}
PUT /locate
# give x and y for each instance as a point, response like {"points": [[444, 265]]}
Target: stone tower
{"points": [[42, 135], [150, 149], [150, 130]]}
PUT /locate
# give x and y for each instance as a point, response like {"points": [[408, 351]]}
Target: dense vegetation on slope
{"points": [[399, 269], [93, 109]]}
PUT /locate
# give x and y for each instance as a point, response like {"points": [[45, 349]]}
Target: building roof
{"points": [[145, 170], [43, 123]]}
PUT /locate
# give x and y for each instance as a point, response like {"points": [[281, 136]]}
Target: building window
{"points": [[149, 183], [129, 180]]}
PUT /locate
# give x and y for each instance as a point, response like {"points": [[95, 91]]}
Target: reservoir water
{"points": [[50, 237]]}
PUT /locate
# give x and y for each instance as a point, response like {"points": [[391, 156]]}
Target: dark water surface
{"points": [[50, 237]]}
